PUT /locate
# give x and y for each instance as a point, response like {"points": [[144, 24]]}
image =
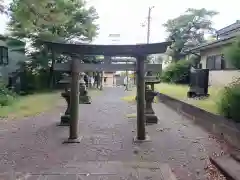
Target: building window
{"points": [[215, 62], [3, 55]]}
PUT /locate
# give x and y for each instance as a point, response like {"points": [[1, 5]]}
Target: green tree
{"points": [[60, 19], [188, 30], [232, 53], [2, 7], [53, 20], [229, 102]]}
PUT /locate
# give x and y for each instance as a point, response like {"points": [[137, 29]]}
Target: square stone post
{"points": [[83, 98], [74, 103], [141, 133], [101, 80]]}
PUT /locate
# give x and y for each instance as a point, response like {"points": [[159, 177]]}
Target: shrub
{"points": [[229, 103], [232, 54], [34, 80], [177, 72], [230, 100], [6, 96]]}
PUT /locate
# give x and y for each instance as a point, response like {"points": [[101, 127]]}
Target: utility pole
{"points": [[148, 30], [149, 23]]}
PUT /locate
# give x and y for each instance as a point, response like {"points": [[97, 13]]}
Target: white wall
{"points": [[219, 77], [223, 77]]}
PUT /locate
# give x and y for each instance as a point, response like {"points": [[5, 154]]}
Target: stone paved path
{"points": [[34, 145]]}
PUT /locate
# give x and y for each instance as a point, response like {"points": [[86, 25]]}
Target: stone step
{"points": [[229, 166], [111, 170]]}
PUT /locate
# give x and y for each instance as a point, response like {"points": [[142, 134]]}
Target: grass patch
{"points": [[180, 92], [133, 115], [131, 99], [30, 105]]}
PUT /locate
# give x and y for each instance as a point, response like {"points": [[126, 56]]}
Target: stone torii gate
{"points": [[139, 52]]}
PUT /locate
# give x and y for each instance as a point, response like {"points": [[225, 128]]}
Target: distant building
{"points": [[16, 54], [109, 79], [212, 56]]}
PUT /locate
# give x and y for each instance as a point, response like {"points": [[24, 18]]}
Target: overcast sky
{"points": [[125, 17]]}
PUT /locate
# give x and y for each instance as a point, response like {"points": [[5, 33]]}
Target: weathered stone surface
{"points": [[110, 170], [84, 99], [151, 119], [228, 166], [65, 120]]}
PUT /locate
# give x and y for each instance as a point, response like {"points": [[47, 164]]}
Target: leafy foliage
{"points": [[232, 54], [2, 7], [230, 99], [229, 103], [177, 73], [6, 96], [52, 20], [188, 30]]}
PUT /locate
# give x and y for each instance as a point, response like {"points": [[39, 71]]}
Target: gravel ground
{"points": [[34, 145]]}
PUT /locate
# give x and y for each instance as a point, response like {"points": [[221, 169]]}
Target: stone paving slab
{"points": [[112, 170]]}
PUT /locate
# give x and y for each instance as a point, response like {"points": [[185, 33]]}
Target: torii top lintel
{"points": [[108, 50]]}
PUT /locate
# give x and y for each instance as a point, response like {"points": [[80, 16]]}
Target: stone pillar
{"points": [[83, 98], [74, 103], [65, 119], [101, 80], [98, 77], [150, 116], [141, 133]]}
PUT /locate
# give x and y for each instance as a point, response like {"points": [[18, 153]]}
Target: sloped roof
{"points": [[216, 43], [231, 27]]}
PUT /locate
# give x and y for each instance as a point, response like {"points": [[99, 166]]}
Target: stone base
{"points": [[227, 165], [147, 139], [73, 141], [151, 119], [149, 111], [84, 100], [65, 120]]}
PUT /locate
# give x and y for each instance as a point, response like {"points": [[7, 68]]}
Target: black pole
{"points": [[141, 134], [74, 103]]}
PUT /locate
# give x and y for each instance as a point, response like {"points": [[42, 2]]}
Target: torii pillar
{"points": [[74, 103]]}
